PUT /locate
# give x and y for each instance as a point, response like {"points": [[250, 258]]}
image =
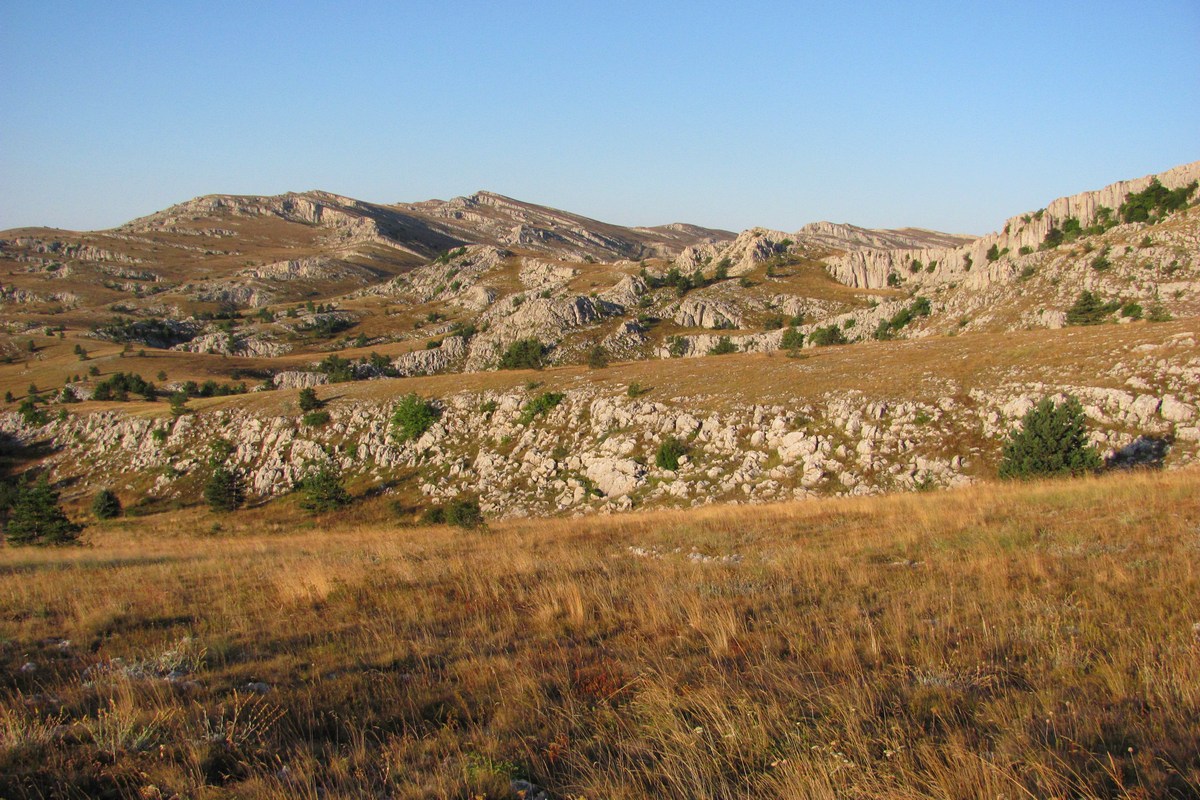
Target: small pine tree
{"points": [[1052, 441], [323, 490], [224, 490], [178, 402], [792, 340], [106, 505], [308, 400], [36, 518], [1089, 309]]}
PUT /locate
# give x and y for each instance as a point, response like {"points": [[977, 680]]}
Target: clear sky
{"points": [[949, 115]]}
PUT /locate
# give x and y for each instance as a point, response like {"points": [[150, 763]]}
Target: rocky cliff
{"points": [[871, 267]]}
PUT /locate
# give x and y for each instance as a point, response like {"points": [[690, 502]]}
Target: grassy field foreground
{"points": [[997, 641]]}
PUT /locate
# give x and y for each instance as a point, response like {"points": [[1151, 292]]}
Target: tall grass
{"points": [[999, 641]]}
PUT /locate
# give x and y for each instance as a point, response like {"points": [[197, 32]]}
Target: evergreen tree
{"points": [[1089, 309], [323, 490], [224, 490], [308, 399], [1052, 441], [178, 402], [106, 505], [36, 518], [792, 340]]}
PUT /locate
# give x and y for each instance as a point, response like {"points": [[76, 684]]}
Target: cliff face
{"points": [[870, 268]]}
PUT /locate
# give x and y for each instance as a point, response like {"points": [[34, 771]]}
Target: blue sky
{"points": [[946, 115]]}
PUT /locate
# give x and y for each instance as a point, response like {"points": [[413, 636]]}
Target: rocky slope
{"points": [[489, 218], [871, 267], [746, 441], [307, 289]]}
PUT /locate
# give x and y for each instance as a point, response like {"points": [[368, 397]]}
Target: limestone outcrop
{"points": [[870, 268], [596, 449]]}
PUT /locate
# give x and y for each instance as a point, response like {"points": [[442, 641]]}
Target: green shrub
{"points": [[1158, 313], [323, 490], [918, 308], [636, 389], [412, 417], [724, 346], [36, 518], [1052, 441], [773, 322], [1154, 202], [792, 340], [106, 505], [676, 346], [434, 515], [315, 419], [826, 336], [30, 413], [597, 357], [464, 512], [526, 353], [178, 401], [1131, 310], [120, 385], [339, 370], [539, 406], [669, 453]]}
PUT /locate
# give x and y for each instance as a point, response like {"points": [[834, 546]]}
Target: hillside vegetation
{"points": [[1022, 640]]}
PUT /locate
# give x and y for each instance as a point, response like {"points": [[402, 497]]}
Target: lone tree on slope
{"points": [[1052, 441]]}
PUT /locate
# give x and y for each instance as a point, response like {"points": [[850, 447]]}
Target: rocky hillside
{"points": [[489, 218], [881, 417], [872, 267], [833, 359]]}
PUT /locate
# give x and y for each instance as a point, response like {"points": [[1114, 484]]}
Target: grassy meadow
{"points": [[1015, 641]]}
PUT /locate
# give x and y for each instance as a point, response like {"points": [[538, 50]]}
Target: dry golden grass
{"points": [[998, 641]]}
